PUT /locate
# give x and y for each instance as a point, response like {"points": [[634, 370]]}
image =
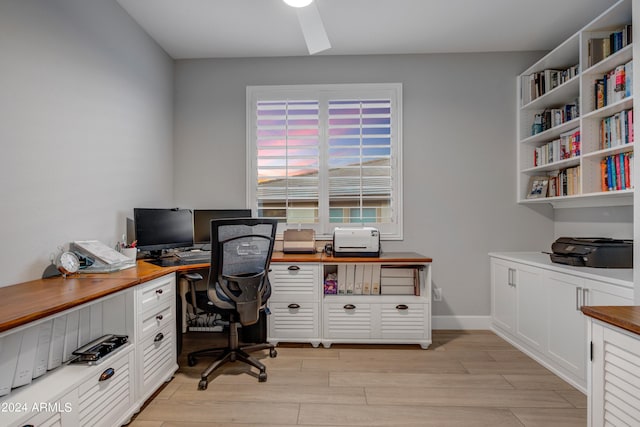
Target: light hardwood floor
{"points": [[466, 378]]}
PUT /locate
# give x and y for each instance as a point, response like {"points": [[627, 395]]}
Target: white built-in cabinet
{"points": [[536, 306], [108, 393], [301, 312], [574, 59]]}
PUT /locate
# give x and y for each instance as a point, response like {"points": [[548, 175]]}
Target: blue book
{"points": [[610, 173]]}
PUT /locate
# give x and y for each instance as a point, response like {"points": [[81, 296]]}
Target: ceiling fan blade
{"points": [[313, 29]]}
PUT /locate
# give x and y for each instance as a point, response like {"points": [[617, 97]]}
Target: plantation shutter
{"points": [[321, 156], [288, 160], [360, 161]]}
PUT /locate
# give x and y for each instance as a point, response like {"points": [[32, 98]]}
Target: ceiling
{"points": [[269, 28]]}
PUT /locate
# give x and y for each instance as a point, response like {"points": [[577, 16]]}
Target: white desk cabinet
{"points": [[294, 303], [155, 334], [536, 307], [381, 319], [301, 312], [614, 386], [110, 392]]}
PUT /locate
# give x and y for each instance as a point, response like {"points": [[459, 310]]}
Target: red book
{"points": [[630, 124], [618, 182], [627, 171]]}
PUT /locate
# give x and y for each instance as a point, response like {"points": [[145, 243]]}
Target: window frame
{"points": [[323, 93]]}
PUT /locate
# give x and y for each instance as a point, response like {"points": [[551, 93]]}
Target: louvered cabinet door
{"points": [[615, 377]]}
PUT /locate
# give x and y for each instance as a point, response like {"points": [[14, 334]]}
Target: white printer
{"points": [[356, 242]]}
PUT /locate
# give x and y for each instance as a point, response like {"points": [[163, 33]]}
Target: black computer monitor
{"points": [[158, 229], [202, 221]]}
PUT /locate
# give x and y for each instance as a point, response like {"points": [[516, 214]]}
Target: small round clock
{"points": [[67, 263]]}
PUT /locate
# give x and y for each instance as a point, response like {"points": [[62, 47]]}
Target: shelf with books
{"points": [[612, 170], [558, 95], [603, 93], [550, 134]]}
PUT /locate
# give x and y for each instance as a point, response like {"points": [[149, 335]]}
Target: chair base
{"points": [[231, 354]]}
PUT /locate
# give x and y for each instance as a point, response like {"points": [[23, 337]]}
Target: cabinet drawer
{"points": [[158, 357], [151, 321], [288, 321], [348, 320], [156, 293], [295, 280], [403, 321], [103, 398]]}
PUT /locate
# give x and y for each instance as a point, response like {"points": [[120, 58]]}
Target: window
{"points": [[323, 156]]}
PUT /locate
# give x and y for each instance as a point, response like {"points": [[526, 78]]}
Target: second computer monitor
{"points": [[202, 221]]}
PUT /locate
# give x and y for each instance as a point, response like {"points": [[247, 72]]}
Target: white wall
{"points": [[86, 130], [459, 152], [615, 222]]}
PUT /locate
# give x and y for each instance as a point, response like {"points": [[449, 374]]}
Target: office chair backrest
{"points": [[241, 250]]}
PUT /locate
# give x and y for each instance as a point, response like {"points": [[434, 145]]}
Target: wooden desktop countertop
{"points": [[626, 317], [29, 301]]}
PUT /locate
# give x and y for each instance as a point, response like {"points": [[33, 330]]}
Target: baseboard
{"points": [[461, 322]]}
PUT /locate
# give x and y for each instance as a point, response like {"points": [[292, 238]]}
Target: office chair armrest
{"points": [[191, 279]]}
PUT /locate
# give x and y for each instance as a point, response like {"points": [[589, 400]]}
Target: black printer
{"points": [[599, 252]]}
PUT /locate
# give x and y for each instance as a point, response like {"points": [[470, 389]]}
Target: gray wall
{"points": [[459, 152], [87, 131]]}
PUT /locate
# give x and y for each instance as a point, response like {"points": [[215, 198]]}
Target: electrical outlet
{"points": [[437, 294]]}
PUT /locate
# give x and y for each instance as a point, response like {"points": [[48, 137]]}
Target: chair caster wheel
{"points": [[202, 385], [192, 361], [262, 377], [273, 352]]}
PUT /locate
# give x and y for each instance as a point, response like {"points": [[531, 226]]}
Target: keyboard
{"points": [[194, 255]]}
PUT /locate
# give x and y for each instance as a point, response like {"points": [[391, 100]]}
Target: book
{"points": [[611, 173], [350, 279], [342, 279], [616, 162], [604, 185], [627, 175], [71, 335], [57, 342], [620, 162], [26, 357], [366, 284], [42, 351], [595, 51], [628, 72], [375, 279], [359, 279], [9, 351]]}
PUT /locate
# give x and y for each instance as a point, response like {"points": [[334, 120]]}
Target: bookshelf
{"points": [[575, 118]]}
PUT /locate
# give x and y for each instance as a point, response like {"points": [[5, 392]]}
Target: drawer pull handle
{"points": [[159, 291], [294, 306], [402, 307], [158, 337], [293, 268], [159, 317], [349, 307], [108, 373]]}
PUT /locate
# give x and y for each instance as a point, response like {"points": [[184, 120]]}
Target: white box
{"points": [[26, 357], [397, 290], [359, 279], [366, 284], [42, 352], [375, 279], [351, 276], [342, 279]]}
